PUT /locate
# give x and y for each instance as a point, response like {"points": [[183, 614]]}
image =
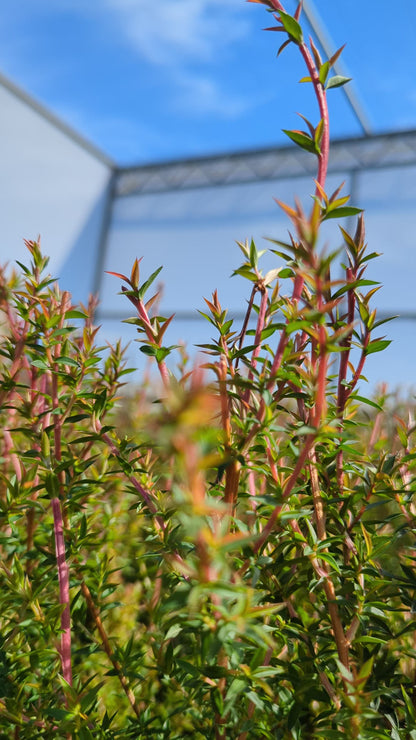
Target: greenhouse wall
{"points": [[191, 228], [187, 216], [52, 184]]}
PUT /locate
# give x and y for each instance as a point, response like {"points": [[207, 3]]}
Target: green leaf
{"points": [[85, 734], [45, 446], [75, 314], [214, 671], [147, 349], [163, 352], [329, 559], [244, 351], [268, 332], [342, 212], [368, 640], [245, 272], [345, 672], [266, 671], [189, 668], [292, 27], [303, 140], [312, 532], [319, 133], [365, 672], [253, 255], [377, 346], [287, 272], [323, 72], [52, 484], [370, 256], [225, 328], [63, 360], [409, 704], [337, 81], [367, 401], [41, 364], [388, 464], [148, 282]]}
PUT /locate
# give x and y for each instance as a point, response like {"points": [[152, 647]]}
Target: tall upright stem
{"points": [[63, 578], [322, 103]]}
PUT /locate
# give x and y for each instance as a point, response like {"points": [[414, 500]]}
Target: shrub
{"points": [[237, 559]]}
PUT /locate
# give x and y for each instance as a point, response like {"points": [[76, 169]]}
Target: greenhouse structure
{"points": [[187, 215]]}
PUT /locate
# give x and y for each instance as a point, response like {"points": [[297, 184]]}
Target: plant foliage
{"points": [[236, 560]]}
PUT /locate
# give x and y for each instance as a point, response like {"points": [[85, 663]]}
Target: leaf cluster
{"points": [[230, 553]]}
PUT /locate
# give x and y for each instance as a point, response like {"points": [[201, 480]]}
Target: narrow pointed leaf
{"points": [[316, 54], [163, 329], [135, 273], [283, 46], [343, 212], [321, 191], [337, 81], [151, 301], [323, 72], [119, 275], [298, 10], [302, 140], [377, 346], [287, 209], [337, 54], [291, 27], [148, 282], [308, 123], [319, 132]]}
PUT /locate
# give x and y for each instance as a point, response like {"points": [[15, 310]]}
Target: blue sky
{"points": [[151, 81]]}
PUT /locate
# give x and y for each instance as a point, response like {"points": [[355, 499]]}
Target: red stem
{"points": [[359, 368], [257, 339], [259, 328], [63, 577], [350, 277], [343, 367], [141, 310], [323, 157], [268, 528], [245, 323], [322, 102]]}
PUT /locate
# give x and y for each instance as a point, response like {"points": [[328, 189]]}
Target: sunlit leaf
{"points": [[291, 26], [303, 140], [337, 81]]}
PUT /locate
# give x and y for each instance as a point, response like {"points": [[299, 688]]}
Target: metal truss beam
{"points": [[194, 315], [347, 155]]}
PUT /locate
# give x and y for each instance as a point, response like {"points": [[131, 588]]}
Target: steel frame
{"points": [[347, 155]]}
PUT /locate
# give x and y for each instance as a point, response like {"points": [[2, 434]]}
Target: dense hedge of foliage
{"points": [[228, 553]]}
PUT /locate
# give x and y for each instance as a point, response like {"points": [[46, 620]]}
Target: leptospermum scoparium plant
{"points": [[237, 560]]}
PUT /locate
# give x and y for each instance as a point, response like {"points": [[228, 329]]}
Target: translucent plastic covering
{"points": [[187, 216], [192, 233], [52, 184]]}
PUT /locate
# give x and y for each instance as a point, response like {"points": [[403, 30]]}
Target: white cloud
{"points": [[183, 38], [178, 30], [179, 36], [202, 95], [183, 41]]}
